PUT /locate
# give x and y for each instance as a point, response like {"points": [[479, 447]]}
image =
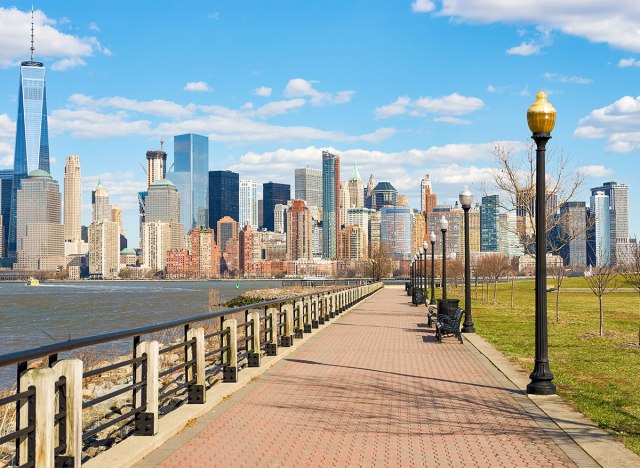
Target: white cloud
{"points": [[614, 22], [214, 16], [629, 62], [492, 89], [452, 105], [298, 87], [263, 91], [7, 127], [197, 86], [274, 108], [6, 155], [94, 27], [453, 120], [567, 79], [50, 42], [422, 6], [525, 48], [123, 188], [157, 107], [68, 63], [595, 170], [618, 122], [90, 124]]}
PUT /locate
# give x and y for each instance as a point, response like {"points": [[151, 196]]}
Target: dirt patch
{"points": [[629, 345], [591, 335]]}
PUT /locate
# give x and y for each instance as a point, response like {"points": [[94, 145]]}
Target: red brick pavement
{"points": [[375, 389]]}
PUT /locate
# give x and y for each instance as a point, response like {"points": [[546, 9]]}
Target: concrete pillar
{"points": [[71, 370], [197, 392], [272, 339], [147, 422], [315, 318], [298, 319], [287, 337], [307, 315], [43, 380], [230, 370], [254, 354]]}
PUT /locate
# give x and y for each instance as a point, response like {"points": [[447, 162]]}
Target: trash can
{"points": [[449, 307]]}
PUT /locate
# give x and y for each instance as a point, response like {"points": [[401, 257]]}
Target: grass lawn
{"points": [[600, 376]]}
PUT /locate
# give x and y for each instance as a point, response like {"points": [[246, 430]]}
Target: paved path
{"points": [[370, 391]]}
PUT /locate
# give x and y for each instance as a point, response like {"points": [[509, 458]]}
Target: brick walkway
{"points": [[369, 391]]}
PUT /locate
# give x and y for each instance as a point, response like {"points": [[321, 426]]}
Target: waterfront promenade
{"points": [[376, 389]]}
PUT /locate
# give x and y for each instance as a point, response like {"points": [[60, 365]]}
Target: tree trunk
{"points": [[601, 317], [476, 292], [495, 292], [557, 305], [513, 290]]}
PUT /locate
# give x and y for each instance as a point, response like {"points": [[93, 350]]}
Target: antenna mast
{"points": [[32, 48]]}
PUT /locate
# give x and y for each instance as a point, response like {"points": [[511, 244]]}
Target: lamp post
{"points": [[422, 289], [432, 238], [541, 118], [444, 225], [425, 247], [413, 282], [466, 198]]}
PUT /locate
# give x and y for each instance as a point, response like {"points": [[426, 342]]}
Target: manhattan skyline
{"points": [[400, 91]]}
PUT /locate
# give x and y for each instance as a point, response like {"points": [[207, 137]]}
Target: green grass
{"points": [[599, 375]]}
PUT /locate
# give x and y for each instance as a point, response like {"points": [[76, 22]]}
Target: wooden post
{"points": [[197, 390], [43, 380], [253, 357], [147, 422], [230, 371], [71, 370]]}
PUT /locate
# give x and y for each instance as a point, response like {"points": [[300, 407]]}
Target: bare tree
{"points": [[381, 263], [631, 272], [514, 179], [602, 280], [558, 272], [455, 269], [513, 271], [497, 267]]}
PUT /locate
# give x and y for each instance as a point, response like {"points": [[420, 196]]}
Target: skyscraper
{"points": [[573, 226], [248, 203], [428, 201], [156, 165], [602, 223], [308, 186], [40, 234], [273, 194], [299, 231], [330, 204], [32, 133], [6, 186], [489, 223], [163, 206], [353, 243], [104, 249], [619, 214], [384, 194], [226, 232], [368, 193], [190, 174], [356, 189], [395, 230], [100, 203], [345, 203], [72, 199], [224, 196]]}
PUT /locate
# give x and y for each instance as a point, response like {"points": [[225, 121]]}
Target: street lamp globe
{"points": [[425, 245], [421, 251], [444, 224], [541, 116], [432, 237], [466, 197]]}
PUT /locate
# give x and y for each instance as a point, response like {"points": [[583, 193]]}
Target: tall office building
{"points": [[308, 186], [32, 133], [602, 224], [156, 165], [428, 201], [573, 227], [356, 189], [224, 196], [101, 209], [104, 249], [299, 239], [6, 186], [510, 245], [163, 206], [191, 176], [116, 217], [280, 218], [395, 230], [369, 191], [72, 199], [246, 240], [619, 213], [384, 194], [353, 243], [158, 238], [418, 227], [345, 203], [260, 213], [374, 232], [489, 223], [248, 203], [205, 253], [39, 232], [330, 204], [272, 195], [226, 232]]}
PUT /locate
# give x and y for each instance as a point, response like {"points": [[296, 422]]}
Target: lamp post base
{"points": [[468, 329], [541, 380]]}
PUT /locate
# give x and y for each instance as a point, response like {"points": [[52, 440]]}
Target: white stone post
{"points": [[287, 337], [71, 370], [148, 421], [230, 371], [43, 380], [315, 319], [272, 345], [197, 392], [255, 354]]}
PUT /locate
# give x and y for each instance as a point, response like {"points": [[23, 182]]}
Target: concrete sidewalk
{"points": [[376, 389]]}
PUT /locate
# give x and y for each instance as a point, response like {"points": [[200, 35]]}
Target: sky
{"points": [[403, 88]]}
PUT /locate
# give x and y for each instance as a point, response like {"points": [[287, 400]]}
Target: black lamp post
{"points": [[413, 281], [425, 247], [422, 289], [466, 198], [432, 238], [541, 118], [444, 225]]}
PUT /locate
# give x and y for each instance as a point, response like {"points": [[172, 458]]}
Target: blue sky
{"points": [[402, 87]]}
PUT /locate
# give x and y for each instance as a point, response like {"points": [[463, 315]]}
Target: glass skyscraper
{"points": [[190, 175], [224, 196], [330, 204], [602, 222], [273, 194], [395, 230], [32, 135], [6, 184], [489, 223], [249, 203]]}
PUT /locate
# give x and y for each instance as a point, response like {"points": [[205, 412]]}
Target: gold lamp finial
{"points": [[541, 116]]}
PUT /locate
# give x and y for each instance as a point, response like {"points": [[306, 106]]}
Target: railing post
{"points": [[306, 304], [71, 370], [230, 370], [272, 343], [253, 357], [315, 319], [322, 309], [197, 393], [332, 305], [298, 330], [39, 411], [147, 395], [287, 338]]}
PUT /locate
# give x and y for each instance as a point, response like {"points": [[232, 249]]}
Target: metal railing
{"points": [[61, 421]]}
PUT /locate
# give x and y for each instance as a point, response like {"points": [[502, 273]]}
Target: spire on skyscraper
{"points": [[32, 48], [355, 175]]}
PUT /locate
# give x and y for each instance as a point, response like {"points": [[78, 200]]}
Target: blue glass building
{"points": [[330, 204], [224, 196], [395, 230], [190, 175], [6, 184], [489, 223], [273, 194], [32, 135]]}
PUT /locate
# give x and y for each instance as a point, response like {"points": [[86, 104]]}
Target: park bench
{"points": [[446, 326], [432, 314]]}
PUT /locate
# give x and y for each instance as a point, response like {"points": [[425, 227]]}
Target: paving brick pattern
{"points": [[375, 389]]}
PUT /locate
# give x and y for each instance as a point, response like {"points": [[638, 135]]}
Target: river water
{"points": [[52, 312]]}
